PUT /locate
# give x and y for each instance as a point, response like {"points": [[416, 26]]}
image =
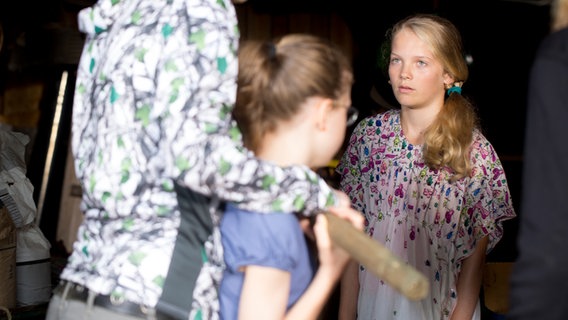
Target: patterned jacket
{"points": [[152, 115]]}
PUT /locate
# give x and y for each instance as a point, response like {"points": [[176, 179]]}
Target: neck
{"points": [[285, 148], [414, 122]]}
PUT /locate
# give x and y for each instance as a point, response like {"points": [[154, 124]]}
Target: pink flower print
{"points": [[412, 234], [399, 192], [437, 218], [449, 215], [496, 173], [428, 192], [374, 188], [397, 212], [439, 234], [375, 151], [483, 152], [390, 200], [484, 212], [386, 136], [353, 159]]}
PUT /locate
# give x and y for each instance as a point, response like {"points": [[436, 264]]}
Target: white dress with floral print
{"points": [[419, 215]]}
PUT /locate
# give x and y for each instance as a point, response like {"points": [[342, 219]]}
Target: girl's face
{"points": [[416, 76]]}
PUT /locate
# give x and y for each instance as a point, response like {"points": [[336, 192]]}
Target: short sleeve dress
{"points": [[270, 240], [418, 214]]}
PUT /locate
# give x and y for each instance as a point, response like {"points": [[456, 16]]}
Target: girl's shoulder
{"points": [[482, 152]]}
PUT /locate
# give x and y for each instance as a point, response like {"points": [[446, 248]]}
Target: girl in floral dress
{"points": [[430, 185]]}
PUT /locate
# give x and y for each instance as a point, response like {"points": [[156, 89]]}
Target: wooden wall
{"points": [[264, 23]]}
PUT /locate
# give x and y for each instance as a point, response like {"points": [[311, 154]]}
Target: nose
{"points": [[405, 73]]}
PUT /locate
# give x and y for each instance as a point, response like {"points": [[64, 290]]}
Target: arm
{"points": [[349, 294], [259, 300], [207, 146], [469, 282]]}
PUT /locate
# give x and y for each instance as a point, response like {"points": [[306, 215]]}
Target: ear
{"points": [[448, 80], [323, 107]]}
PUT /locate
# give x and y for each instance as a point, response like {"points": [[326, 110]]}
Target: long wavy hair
{"points": [[449, 137]]}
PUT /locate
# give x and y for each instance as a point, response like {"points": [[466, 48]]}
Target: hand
{"points": [[332, 258], [344, 210]]}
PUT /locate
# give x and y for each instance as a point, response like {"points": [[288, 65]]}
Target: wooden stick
{"points": [[378, 259]]}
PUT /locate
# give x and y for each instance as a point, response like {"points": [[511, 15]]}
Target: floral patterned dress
{"points": [[417, 213]]}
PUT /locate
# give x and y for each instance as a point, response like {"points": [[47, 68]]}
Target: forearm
{"points": [[310, 305], [349, 292], [469, 283], [219, 166]]}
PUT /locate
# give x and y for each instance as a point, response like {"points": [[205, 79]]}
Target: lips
{"points": [[405, 89]]}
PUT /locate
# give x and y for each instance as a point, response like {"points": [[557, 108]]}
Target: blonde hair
{"points": [[449, 137], [275, 78], [559, 15]]}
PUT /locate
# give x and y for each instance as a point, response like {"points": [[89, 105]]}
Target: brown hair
{"points": [[275, 78], [448, 138]]}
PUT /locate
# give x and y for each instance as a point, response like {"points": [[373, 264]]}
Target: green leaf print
{"points": [[171, 66], [115, 2], [198, 315], [222, 64], [198, 38], [92, 65], [174, 95], [81, 89], [277, 205], [177, 83], [127, 224], [167, 30], [92, 183], [182, 164], [162, 211], [221, 3], [124, 176], [235, 134], [267, 182], [211, 128], [168, 185], [330, 200], [299, 203], [224, 167], [140, 54], [113, 95], [159, 281], [204, 255], [105, 196], [136, 258], [136, 16], [143, 115], [99, 30]]}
